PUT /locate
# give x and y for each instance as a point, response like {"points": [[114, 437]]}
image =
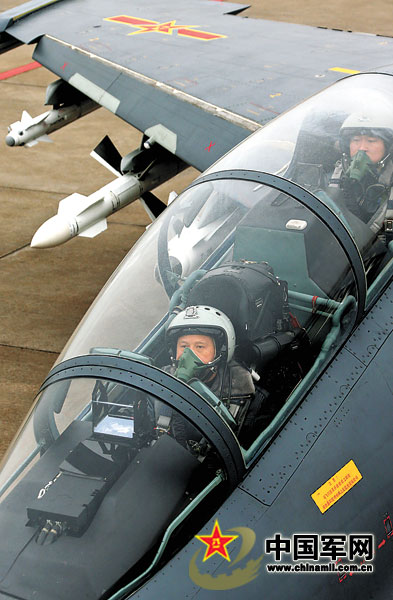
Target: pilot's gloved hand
{"points": [[189, 366]]}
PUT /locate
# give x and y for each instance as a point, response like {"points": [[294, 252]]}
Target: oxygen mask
{"points": [[190, 366], [361, 182], [360, 166]]}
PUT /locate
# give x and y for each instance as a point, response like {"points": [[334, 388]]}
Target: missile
{"points": [[31, 130], [86, 215]]}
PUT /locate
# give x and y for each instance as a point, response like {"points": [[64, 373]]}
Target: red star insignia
{"points": [[147, 26], [216, 542], [167, 27]]}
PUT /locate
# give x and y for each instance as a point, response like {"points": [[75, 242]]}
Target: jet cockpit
{"points": [[289, 236]]}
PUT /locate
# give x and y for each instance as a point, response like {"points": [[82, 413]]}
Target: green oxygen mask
{"points": [[190, 366], [361, 182], [361, 167]]}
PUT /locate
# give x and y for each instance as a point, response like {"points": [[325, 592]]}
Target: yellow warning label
{"points": [[337, 486]]}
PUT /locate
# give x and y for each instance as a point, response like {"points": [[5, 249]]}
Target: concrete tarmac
{"points": [[44, 293]]}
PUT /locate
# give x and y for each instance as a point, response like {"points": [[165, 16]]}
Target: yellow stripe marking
{"points": [[342, 70], [28, 12]]}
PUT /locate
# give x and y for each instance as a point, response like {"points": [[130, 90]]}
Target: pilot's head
{"points": [[200, 338], [366, 140], [202, 345], [371, 133]]}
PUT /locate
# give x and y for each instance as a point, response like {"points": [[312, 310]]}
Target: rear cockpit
{"points": [[316, 146]]}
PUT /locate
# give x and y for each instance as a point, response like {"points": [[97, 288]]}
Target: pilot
{"points": [[363, 176], [201, 342]]}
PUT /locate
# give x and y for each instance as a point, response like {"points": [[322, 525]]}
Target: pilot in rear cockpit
{"points": [[363, 177]]}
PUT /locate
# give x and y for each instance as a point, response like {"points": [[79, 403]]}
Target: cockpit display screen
{"points": [[115, 425]]}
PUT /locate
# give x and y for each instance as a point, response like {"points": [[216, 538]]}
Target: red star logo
{"points": [[148, 26], [216, 542], [167, 27]]}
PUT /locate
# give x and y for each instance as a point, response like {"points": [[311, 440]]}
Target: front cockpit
{"points": [[201, 345]]}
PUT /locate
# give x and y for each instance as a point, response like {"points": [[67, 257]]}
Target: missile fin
{"points": [[26, 118], [102, 162], [94, 229], [172, 196], [152, 205], [30, 144], [73, 205], [107, 155], [45, 138]]}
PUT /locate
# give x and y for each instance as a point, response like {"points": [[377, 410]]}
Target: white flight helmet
{"points": [[203, 320], [377, 122]]}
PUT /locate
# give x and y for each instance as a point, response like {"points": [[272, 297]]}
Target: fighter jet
{"points": [[153, 464]]}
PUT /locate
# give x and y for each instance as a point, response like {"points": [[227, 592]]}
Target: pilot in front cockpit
{"points": [[363, 177], [201, 342]]}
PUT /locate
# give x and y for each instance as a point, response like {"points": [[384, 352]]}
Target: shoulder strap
{"points": [[336, 175], [386, 177]]}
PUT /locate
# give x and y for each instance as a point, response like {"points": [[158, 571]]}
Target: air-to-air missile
{"points": [[139, 172], [31, 130], [136, 174]]}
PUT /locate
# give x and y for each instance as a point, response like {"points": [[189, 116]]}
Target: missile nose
{"points": [[9, 140], [53, 232]]}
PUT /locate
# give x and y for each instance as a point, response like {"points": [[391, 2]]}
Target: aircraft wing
{"points": [[196, 68]]}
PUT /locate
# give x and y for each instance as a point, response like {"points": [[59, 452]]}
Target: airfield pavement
{"points": [[44, 293]]}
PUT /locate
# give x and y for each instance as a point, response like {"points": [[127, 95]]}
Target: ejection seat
{"points": [[316, 151], [267, 339]]}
